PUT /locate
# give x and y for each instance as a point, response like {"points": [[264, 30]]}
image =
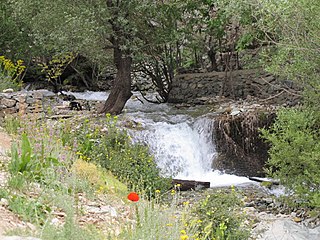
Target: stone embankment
{"points": [[197, 88], [38, 101]]}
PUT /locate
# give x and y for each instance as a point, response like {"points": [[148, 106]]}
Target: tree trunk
{"points": [[121, 90]]}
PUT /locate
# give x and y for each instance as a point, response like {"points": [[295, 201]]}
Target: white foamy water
{"points": [[89, 95], [186, 150]]}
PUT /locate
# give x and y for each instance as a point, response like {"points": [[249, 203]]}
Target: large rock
{"points": [[8, 102], [285, 229], [240, 149]]}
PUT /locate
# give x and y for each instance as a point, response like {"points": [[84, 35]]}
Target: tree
{"points": [[100, 30], [15, 42]]}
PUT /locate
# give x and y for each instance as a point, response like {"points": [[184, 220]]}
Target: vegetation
{"points": [[105, 144], [47, 177], [10, 73], [52, 166], [294, 155], [218, 217], [295, 152]]}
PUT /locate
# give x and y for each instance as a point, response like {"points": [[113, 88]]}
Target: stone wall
{"points": [[41, 101], [240, 84], [14, 102]]}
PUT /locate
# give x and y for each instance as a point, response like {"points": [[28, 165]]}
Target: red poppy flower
{"points": [[134, 197]]}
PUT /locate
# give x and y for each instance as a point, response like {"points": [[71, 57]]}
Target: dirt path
{"points": [[8, 220]]}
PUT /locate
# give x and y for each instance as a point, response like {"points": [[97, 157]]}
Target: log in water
{"points": [[185, 185]]}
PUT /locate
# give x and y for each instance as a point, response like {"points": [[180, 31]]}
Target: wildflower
{"points": [[186, 203], [173, 192], [184, 235], [134, 197], [158, 191]]}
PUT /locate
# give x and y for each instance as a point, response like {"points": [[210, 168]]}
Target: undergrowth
{"points": [[104, 143], [52, 163]]}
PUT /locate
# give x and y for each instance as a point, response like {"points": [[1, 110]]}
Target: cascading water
{"points": [[183, 146], [185, 150], [180, 149]]}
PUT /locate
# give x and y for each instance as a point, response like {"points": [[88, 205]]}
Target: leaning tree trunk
{"points": [[121, 90]]}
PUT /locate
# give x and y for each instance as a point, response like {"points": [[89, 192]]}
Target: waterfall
{"points": [[185, 150]]}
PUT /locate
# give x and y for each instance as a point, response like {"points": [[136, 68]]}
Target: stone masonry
{"points": [[239, 84]]}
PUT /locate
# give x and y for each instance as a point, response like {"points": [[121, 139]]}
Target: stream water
{"points": [[182, 141]]}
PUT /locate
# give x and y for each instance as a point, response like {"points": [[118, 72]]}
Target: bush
{"points": [[295, 152], [113, 149], [219, 216], [10, 73]]}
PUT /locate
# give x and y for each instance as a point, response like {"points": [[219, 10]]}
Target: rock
{"points": [[288, 230], [8, 90], [109, 209], [9, 111], [235, 112], [297, 219], [102, 210], [8, 102], [38, 95], [268, 200], [55, 222], [4, 202]]}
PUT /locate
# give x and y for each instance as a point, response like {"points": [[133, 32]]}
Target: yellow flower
{"points": [[184, 237], [158, 191], [173, 192], [183, 232]]}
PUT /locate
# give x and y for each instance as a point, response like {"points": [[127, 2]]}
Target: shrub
{"points": [[219, 216], [295, 152], [10, 73], [113, 149]]}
